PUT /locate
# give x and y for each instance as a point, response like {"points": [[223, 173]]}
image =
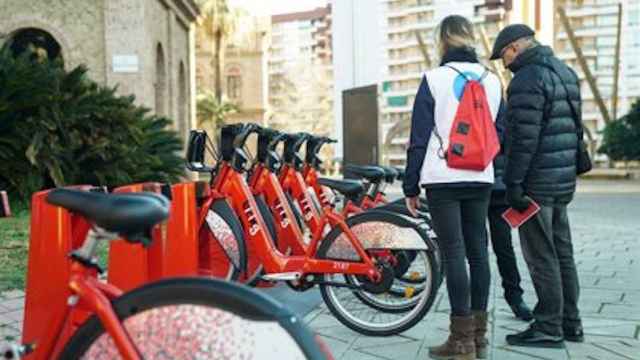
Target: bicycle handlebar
{"points": [[314, 144], [241, 137]]}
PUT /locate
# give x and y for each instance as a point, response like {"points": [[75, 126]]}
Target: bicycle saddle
{"points": [[121, 213], [372, 173], [400, 172], [348, 188], [390, 174]]}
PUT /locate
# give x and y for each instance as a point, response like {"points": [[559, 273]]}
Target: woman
{"points": [[458, 199]]}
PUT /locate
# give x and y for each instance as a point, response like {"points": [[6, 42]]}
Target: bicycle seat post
{"points": [[87, 251]]}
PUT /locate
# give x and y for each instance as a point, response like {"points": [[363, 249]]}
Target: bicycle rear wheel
{"points": [[193, 318], [375, 309]]}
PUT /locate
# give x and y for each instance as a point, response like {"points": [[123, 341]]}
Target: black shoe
{"points": [[521, 310], [535, 338], [574, 334]]}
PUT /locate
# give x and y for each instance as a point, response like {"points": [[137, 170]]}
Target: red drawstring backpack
{"points": [[473, 141]]}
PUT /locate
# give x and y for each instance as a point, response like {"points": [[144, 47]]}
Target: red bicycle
{"points": [[71, 314], [356, 259]]}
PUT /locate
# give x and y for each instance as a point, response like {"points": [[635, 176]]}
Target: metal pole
{"points": [[616, 67], [583, 64]]}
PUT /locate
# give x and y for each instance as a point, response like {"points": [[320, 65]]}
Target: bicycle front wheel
{"points": [[195, 318]]}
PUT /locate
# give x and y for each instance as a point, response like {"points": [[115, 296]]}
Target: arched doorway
{"points": [[39, 44], [161, 82], [183, 106]]}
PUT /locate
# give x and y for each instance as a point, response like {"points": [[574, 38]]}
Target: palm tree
{"points": [[210, 110], [219, 21]]}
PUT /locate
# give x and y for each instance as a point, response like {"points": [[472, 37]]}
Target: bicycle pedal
{"points": [[409, 292], [287, 276]]}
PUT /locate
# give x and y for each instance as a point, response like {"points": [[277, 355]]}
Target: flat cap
{"points": [[508, 35]]}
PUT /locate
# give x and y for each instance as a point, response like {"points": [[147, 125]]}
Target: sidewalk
{"points": [[606, 235], [606, 231]]}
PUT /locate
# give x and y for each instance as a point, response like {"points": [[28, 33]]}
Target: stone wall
{"points": [[75, 24], [155, 34]]}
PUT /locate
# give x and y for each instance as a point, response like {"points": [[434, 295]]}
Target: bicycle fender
{"points": [[379, 229], [227, 230]]}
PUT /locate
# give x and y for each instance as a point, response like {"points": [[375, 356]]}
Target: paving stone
{"points": [[591, 352], [619, 310], [12, 294], [623, 348], [13, 304], [408, 350], [14, 316], [501, 353], [323, 320], [9, 333], [357, 355], [338, 347]]}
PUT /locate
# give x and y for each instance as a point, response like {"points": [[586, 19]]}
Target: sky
{"points": [[272, 7]]}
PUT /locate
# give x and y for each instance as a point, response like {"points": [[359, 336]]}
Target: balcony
{"points": [[404, 76], [420, 25], [409, 10], [405, 60], [589, 31], [397, 109], [566, 55], [401, 44]]}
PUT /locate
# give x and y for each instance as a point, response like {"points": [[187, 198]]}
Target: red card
{"points": [[516, 218]]}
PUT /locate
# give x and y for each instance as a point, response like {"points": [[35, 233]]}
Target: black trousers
{"points": [[548, 251], [459, 218], [503, 248]]}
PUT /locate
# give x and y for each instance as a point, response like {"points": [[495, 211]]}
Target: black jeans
{"points": [[547, 249], [503, 248], [459, 218]]}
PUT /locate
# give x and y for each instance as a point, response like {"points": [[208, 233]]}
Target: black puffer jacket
{"points": [[541, 139]]}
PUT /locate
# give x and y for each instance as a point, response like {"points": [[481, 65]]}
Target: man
{"points": [[502, 243], [541, 148]]}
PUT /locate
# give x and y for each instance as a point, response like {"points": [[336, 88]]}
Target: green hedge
{"points": [[621, 137], [59, 128]]}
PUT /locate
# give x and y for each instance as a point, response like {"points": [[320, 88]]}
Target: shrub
{"points": [[59, 128], [621, 138]]}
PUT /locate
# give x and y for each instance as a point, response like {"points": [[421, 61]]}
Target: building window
{"points": [[234, 86]]}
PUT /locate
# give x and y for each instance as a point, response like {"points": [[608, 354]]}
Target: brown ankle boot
{"points": [[480, 330], [460, 344]]}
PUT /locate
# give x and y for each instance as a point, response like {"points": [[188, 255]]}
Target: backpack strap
{"points": [[459, 72], [466, 77]]}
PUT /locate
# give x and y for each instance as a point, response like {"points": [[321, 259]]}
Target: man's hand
{"points": [[517, 199], [412, 205]]}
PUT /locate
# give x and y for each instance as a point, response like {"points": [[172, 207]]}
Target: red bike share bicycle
{"points": [[355, 256], [71, 314]]}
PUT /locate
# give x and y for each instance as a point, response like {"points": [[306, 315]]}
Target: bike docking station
{"points": [[55, 233], [174, 249]]}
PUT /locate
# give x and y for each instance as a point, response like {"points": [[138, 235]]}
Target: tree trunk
{"points": [[218, 69]]}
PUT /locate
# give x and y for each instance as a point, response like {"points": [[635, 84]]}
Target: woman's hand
{"points": [[412, 205]]}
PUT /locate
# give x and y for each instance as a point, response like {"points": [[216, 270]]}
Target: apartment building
{"points": [[301, 72], [595, 25]]}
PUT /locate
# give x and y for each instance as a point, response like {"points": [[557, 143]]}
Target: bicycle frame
{"points": [[310, 176], [231, 183], [264, 182], [54, 234]]}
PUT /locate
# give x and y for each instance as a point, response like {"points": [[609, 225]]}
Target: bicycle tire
{"points": [[229, 302], [415, 315]]}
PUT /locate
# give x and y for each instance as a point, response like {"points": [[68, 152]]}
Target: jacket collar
{"points": [[462, 54], [533, 55]]}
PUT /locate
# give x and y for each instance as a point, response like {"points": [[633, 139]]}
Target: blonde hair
{"points": [[454, 31]]}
